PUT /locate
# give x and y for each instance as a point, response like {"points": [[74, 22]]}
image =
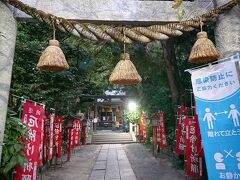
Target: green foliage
{"points": [[13, 153], [133, 116]]}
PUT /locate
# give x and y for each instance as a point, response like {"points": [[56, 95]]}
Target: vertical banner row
{"points": [[217, 91], [32, 116]]}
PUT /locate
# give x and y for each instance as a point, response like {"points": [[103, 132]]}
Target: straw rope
{"points": [[115, 34]]}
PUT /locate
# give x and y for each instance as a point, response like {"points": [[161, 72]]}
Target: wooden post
{"points": [[155, 141], [69, 144], [8, 30]]}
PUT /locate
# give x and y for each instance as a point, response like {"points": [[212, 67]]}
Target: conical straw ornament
{"points": [[125, 72], [203, 51], [53, 58]]}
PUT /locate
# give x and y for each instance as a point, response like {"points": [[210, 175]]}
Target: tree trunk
{"points": [[227, 32], [172, 73], [8, 30]]}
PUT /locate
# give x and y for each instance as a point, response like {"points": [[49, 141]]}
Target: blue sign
{"points": [[217, 94]]}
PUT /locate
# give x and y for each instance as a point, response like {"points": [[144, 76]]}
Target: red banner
{"points": [[194, 162], [199, 138], [32, 116], [51, 137], [143, 126], [180, 136], [40, 158], [45, 137], [58, 136], [73, 134], [77, 127], [162, 131]]}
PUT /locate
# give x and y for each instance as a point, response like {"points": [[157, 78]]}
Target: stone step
{"points": [[112, 138], [113, 142]]}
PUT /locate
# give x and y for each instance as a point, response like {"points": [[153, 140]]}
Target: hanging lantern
{"points": [[203, 51], [125, 72], [52, 58]]}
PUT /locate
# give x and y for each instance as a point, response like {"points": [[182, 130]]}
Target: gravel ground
{"points": [[147, 167]]}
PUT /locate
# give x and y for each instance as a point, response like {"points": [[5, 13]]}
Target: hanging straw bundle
{"points": [[52, 58], [203, 51], [125, 72]]}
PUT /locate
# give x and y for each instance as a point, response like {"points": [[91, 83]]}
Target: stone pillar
{"points": [[227, 32], [8, 30]]}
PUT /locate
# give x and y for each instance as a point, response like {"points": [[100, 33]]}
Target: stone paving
{"points": [[112, 164], [79, 167], [115, 162], [147, 167]]}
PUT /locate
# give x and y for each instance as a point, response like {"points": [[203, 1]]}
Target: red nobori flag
{"points": [[77, 126], [32, 116], [73, 134], [40, 158], [51, 137], [45, 137], [180, 136], [163, 138], [194, 162], [58, 136], [143, 126], [199, 138]]}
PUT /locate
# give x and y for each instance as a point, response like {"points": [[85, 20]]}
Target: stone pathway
{"points": [[79, 167], [112, 164]]}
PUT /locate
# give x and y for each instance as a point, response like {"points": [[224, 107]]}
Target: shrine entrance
{"points": [[93, 127]]}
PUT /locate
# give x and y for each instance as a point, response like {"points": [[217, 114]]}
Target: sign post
{"points": [[217, 91]]}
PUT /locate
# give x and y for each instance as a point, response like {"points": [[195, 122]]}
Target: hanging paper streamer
{"points": [[194, 162], [163, 138], [217, 91], [32, 116], [180, 133], [58, 136], [143, 126]]}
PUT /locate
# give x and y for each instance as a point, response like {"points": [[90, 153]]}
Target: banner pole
{"points": [[174, 137]]}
